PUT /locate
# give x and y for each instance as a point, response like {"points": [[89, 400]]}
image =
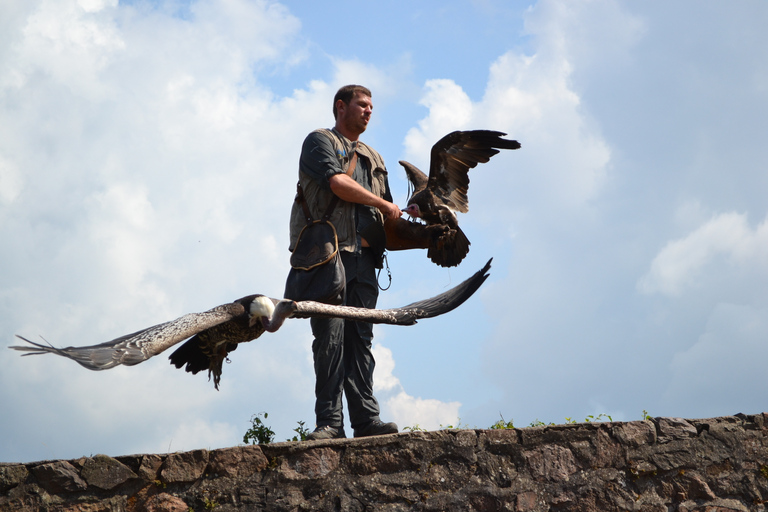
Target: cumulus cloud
{"points": [[533, 96], [564, 160], [71, 42], [404, 409], [429, 413], [724, 245], [583, 34], [449, 109]]}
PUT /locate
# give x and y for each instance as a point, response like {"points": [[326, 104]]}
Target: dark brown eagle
{"points": [[436, 197], [215, 333]]}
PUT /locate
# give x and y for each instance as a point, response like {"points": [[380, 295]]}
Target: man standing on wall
{"points": [[334, 162]]}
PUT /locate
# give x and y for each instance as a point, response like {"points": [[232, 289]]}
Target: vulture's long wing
{"points": [[135, 348], [406, 315], [139, 346], [417, 178], [454, 155]]}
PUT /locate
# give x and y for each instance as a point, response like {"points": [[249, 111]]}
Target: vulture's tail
{"points": [[190, 353]]}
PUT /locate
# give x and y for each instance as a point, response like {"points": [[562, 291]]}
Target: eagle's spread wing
{"points": [[406, 315], [139, 346], [454, 155], [417, 178], [216, 332]]}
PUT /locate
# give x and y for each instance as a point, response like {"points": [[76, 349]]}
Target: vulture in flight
{"points": [[215, 333], [437, 196]]}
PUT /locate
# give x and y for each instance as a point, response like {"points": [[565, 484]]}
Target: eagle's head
{"points": [[413, 210], [260, 309]]}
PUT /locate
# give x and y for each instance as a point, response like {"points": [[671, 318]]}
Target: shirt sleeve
{"points": [[318, 159], [387, 192]]}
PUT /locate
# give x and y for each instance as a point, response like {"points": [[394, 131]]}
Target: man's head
{"points": [[346, 94], [352, 107]]}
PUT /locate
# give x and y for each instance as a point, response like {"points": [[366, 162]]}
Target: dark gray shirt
{"points": [[319, 161]]}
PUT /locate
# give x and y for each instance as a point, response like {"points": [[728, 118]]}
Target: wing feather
{"points": [[406, 315], [417, 178], [454, 155], [139, 346], [216, 332]]}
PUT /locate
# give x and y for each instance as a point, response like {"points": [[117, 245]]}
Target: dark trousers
{"points": [[342, 351]]}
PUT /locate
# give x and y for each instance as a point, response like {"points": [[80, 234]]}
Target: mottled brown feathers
{"points": [[215, 333], [445, 189]]}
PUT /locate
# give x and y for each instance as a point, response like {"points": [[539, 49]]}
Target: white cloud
{"points": [[426, 413], [402, 408], [585, 33], [564, 157], [353, 71], [70, 42], [723, 244], [563, 161], [384, 378], [449, 109]]}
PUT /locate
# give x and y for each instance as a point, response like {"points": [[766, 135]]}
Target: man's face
{"points": [[354, 117]]}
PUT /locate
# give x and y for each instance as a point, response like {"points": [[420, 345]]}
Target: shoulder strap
{"points": [[352, 163]]}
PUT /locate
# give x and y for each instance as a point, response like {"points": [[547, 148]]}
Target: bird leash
{"points": [[389, 274]]}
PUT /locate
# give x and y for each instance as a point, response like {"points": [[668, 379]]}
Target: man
{"points": [[342, 349]]}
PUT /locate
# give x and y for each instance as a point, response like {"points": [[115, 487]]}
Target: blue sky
{"points": [[148, 158]]}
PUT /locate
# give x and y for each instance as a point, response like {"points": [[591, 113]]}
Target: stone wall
{"points": [[664, 464]]}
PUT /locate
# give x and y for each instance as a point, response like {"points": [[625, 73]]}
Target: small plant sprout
{"points": [[259, 433], [503, 425], [302, 432]]}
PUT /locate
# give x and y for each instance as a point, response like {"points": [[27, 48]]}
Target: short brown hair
{"points": [[346, 94]]}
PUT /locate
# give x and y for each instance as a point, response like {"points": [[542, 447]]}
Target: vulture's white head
{"points": [[261, 307]]}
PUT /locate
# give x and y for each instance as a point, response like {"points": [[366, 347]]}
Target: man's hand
{"points": [[390, 210], [349, 190]]}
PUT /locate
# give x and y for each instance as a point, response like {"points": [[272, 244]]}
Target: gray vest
{"points": [[318, 198]]}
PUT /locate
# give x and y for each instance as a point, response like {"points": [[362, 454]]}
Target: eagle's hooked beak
{"points": [[412, 210]]}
